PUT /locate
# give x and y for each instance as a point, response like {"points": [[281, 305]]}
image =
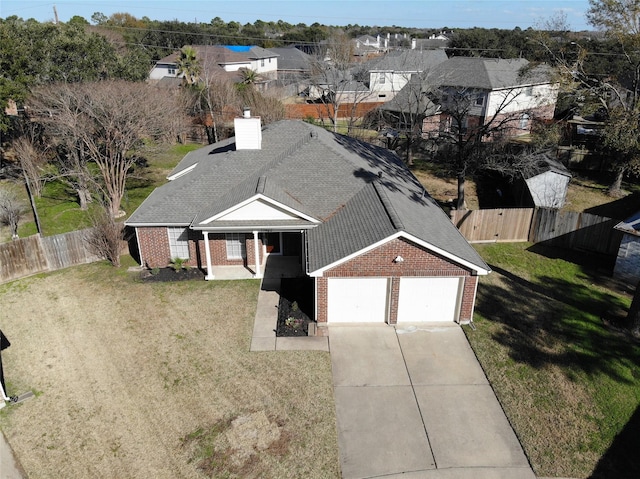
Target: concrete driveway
{"points": [[413, 402]]}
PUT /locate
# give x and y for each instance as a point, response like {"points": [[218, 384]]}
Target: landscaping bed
{"points": [[295, 309], [159, 275]]}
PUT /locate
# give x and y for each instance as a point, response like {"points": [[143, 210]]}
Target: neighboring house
{"points": [[545, 186], [510, 92], [228, 58], [377, 246], [627, 266], [294, 69], [367, 46], [390, 73], [292, 62]]}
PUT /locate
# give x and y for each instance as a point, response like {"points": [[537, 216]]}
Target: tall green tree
{"points": [[189, 65]]}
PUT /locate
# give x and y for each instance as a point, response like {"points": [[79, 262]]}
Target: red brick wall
{"points": [[468, 299], [418, 261], [154, 246]]}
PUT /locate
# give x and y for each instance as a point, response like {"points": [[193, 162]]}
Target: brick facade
{"points": [[379, 262], [432, 126], [154, 248], [417, 262]]}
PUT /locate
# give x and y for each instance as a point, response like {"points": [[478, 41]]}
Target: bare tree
{"points": [[12, 209], [333, 83], [105, 238], [32, 162], [108, 122]]}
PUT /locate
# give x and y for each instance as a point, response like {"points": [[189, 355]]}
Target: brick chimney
{"points": [[248, 131]]}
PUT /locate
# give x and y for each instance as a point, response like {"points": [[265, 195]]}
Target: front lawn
{"points": [[144, 379], [569, 385]]}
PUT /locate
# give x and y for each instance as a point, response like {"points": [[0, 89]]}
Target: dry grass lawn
{"points": [[156, 380]]}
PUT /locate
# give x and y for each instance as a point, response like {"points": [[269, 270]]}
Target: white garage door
{"points": [[428, 299], [357, 300]]}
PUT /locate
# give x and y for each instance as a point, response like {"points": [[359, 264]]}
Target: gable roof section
{"points": [[488, 73], [352, 194], [292, 59]]}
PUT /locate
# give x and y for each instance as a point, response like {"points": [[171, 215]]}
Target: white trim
{"points": [[139, 248], [181, 172], [207, 252], [157, 225], [402, 234], [256, 255], [250, 228], [265, 199]]}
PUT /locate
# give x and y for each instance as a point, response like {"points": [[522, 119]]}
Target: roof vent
{"points": [[248, 131]]}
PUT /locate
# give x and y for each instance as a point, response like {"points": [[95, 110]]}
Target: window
{"points": [[382, 79], [524, 121], [179, 242], [172, 70], [236, 247], [480, 100], [262, 62]]}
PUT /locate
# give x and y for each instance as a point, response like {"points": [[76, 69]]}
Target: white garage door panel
{"points": [[357, 300], [428, 299]]}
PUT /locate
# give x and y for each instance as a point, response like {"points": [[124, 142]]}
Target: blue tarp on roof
{"points": [[238, 48]]}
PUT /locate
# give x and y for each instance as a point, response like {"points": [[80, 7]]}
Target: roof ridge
{"points": [[394, 217]]}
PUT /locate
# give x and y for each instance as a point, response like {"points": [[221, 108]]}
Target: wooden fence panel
{"points": [[21, 257], [35, 254], [506, 224], [574, 230], [67, 249]]}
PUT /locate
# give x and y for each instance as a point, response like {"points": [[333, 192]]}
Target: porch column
{"points": [[256, 253], [207, 251]]}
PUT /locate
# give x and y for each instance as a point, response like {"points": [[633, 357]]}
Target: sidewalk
{"points": [[9, 467], [264, 327]]}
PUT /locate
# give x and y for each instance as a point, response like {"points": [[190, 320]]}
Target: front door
{"points": [[292, 244]]}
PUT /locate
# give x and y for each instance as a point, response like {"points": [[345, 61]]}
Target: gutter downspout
{"points": [[207, 252]]}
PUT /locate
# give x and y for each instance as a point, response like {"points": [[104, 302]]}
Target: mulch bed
{"points": [[295, 310], [161, 275]]}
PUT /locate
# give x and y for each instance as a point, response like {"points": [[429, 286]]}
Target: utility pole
{"points": [[55, 15]]}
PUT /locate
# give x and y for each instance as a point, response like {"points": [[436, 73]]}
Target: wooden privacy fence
{"points": [[565, 229], [504, 224], [36, 254]]}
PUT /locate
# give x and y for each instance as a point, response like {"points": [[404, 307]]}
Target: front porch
{"points": [[274, 267]]}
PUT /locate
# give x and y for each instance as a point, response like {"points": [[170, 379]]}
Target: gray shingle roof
{"points": [[292, 59], [407, 61], [325, 176], [488, 73]]}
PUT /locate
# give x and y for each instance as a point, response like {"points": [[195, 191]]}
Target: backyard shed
{"points": [[544, 186], [627, 266]]}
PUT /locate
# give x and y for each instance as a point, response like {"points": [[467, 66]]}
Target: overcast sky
{"points": [[417, 13]]}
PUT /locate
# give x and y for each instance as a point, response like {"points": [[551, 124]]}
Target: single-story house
{"points": [[377, 246], [627, 266]]}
